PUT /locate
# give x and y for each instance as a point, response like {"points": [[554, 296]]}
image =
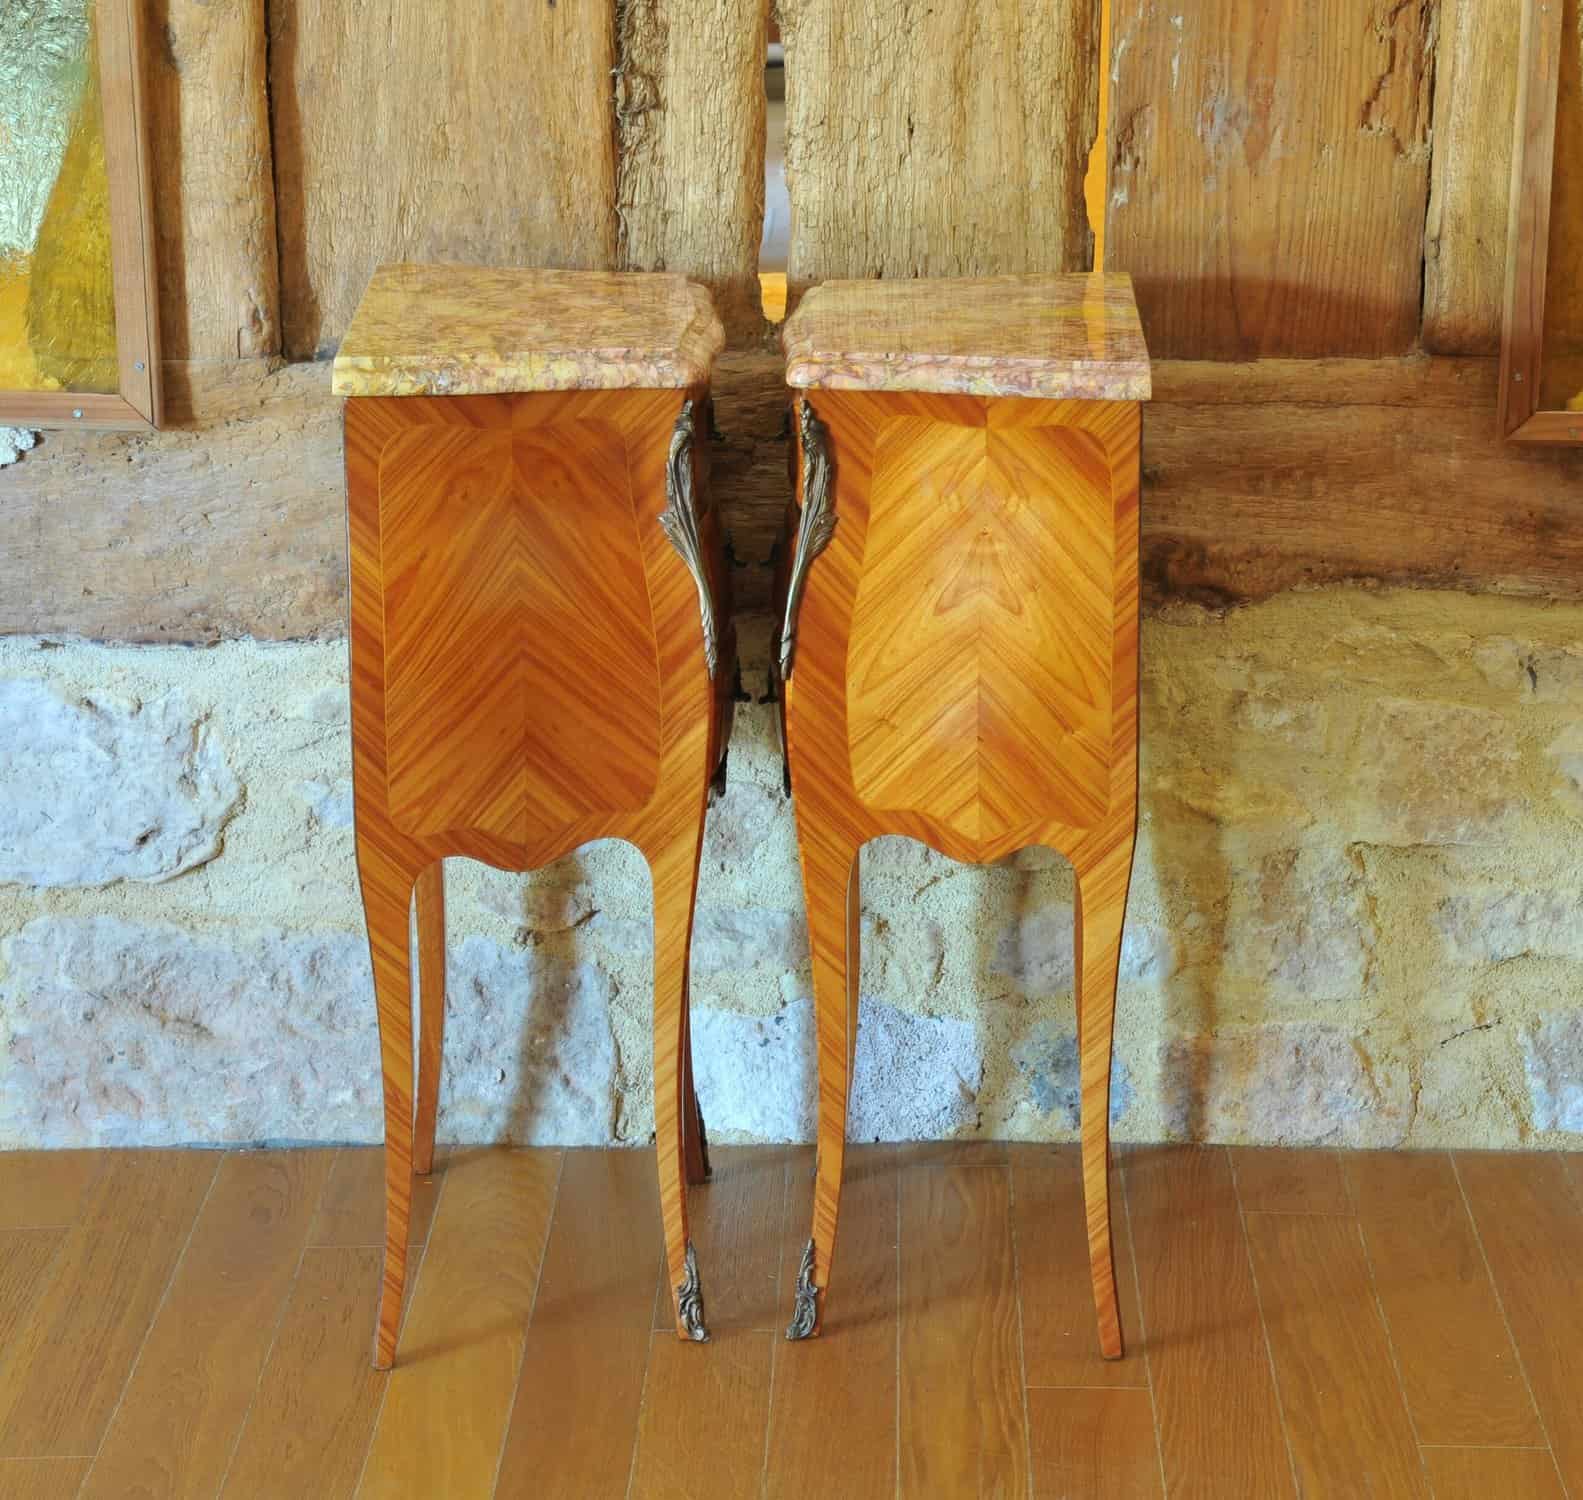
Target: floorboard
{"points": [[200, 1324], [27, 1265], [735, 1222], [1093, 1445], [1060, 1335], [1530, 1224], [308, 1432], [46, 1189], [75, 1348], [832, 1414], [1273, 1179], [1458, 1367], [701, 1433], [575, 1419], [1493, 1474], [1344, 1412], [352, 1211], [448, 1400], [41, 1478], [1209, 1365], [182, 1412], [963, 1419]]}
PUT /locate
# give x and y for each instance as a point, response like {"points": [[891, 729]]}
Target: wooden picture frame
{"points": [[136, 404], [1528, 233]]}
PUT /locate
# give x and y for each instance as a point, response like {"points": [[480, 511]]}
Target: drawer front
{"points": [[979, 660], [522, 679]]}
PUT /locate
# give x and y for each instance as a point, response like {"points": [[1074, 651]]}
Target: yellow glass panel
{"points": [[1562, 374], [57, 290]]}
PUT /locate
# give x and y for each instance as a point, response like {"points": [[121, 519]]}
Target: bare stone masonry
{"points": [[1354, 916]]}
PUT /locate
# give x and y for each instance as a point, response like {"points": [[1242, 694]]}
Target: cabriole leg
{"points": [[1101, 907], [387, 897], [431, 1013], [833, 895], [696, 1140], [674, 870]]}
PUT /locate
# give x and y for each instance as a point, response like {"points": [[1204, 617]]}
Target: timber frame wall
{"points": [[1310, 194]]}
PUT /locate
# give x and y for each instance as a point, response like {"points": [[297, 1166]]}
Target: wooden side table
{"points": [[958, 635], [542, 650]]}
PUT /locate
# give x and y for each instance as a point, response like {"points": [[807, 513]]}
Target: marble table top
{"points": [[1055, 337], [448, 330]]}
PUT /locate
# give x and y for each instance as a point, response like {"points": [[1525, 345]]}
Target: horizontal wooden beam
{"points": [[230, 522], [1240, 502], [1414, 380], [1257, 478]]}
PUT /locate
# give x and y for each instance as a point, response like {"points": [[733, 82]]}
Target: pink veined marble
{"points": [[1052, 337], [447, 330]]}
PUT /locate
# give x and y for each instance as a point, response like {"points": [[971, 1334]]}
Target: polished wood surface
{"points": [[966, 673], [174, 1428], [1458, 1366], [1325, 1335], [567, 1418], [963, 1420], [1526, 1211], [528, 674], [1204, 1330]]}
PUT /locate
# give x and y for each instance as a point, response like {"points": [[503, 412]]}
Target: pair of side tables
{"points": [[543, 649]]}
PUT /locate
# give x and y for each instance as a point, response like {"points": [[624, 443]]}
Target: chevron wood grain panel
{"points": [[966, 673], [528, 674]]}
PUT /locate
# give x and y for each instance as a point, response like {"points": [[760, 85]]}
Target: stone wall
{"points": [[1355, 916]]}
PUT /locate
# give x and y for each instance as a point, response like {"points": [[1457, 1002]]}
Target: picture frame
{"points": [[1523, 414], [136, 402]]}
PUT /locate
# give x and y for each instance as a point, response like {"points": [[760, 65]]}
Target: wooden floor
{"points": [[185, 1324]]}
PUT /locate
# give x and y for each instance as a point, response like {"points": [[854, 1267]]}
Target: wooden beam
{"points": [[231, 522], [1470, 175], [214, 195], [939, 139], [413, 130], [1243, 501], [1256, 479], [1414, 380], [1270, 174], [690, 106]]}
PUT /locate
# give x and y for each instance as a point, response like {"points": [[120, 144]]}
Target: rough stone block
{"points": [[122, 1033], [903, 954], [1530, 671], [106, 788], [740, 938], [330, 802], [914, 1077], [1048, 1058], [1302, 921], [1553, 1060], [1301, 1084], [1493, 926], [1036, 949], [1434, 773], [530, 1057], [1565, 753]]}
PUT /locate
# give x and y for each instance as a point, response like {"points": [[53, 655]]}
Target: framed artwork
{"points": [[1541, 391], [79, 341]]}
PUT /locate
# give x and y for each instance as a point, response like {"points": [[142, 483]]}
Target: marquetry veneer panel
{"points": [[989, 710], [534, 597]]}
